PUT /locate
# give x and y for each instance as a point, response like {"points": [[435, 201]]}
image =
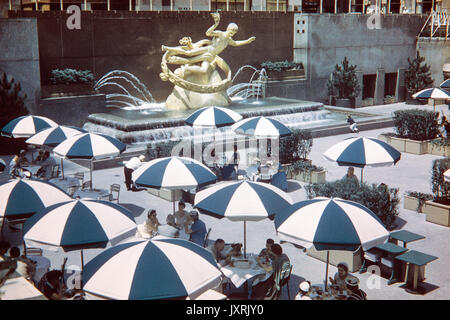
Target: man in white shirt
{"points": [[130, 166]]}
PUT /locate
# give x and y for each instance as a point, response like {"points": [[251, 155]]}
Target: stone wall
{"points": [[19, 56]]}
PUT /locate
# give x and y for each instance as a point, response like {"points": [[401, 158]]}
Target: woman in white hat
{"points": [[303, 292], [341, 276]]}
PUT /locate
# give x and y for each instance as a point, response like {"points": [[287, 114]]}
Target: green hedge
{"points": [[416, 124], [280, 65], [380, 199], [296, 146], [440, 188], [71, 76], [301, 165]]}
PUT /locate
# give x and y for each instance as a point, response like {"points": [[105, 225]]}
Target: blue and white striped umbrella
{"points": [[173, 173], [445, 85], [242, 201], [432, 93], [162, 268], [2, 165], [89, 146], [26, 126], [261, 128], [361, 152], [53, 136], [213, 117], [21, 198], [330, 224], [79, 224]]}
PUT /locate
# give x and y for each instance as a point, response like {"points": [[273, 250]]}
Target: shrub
{"points": [[421, 197], [160, 149], [440, 188], [71, 76], [301, 165], [380, 199], [296, 146], [418, 76], [343, 82], [416, 124], [280, 65]]}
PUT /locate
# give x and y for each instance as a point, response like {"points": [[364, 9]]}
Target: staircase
{"points": [[437, 26]]}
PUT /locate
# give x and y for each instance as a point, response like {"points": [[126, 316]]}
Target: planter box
{"points": [[311, 176], [437, 213], [353, 259], [286, 74], [66, 90], [385, 138], [438, 150], [389, 100], [409, 146], [411, 203], [344, 103]]}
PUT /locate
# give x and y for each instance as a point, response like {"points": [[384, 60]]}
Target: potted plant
{"points": [[417, 77], [439, 147], [438, 210], [414, 201], [295, 147], [344, 84], [413, 130], [283, 70], [307, 172], [69, 82]]}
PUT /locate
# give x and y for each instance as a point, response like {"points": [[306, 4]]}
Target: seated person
{"points": [[355, 293], [350, 177], [40, 157], [45, 171], [152, 223], [341, 277], [169, 229], [217, 251], [23, 160], [269, 288], [303, 292], [52, 285], [15, 170], [182, 218], [197, 231], [25, 267], [266, 255]]}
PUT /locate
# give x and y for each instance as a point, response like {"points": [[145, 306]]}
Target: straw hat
{"points": [[352, 281]]}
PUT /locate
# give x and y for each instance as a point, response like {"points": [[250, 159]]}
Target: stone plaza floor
{"points": [[412, 172]]}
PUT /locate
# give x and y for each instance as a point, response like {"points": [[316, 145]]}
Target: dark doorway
{"points": [[328, 6], [369, 81], [342, 6], [390, 84], [357, 6], [310, 6], [395, 6]]}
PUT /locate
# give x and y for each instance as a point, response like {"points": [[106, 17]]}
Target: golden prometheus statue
{"points": [[197, 81]]}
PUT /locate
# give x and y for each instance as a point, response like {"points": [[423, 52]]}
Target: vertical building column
{"points": [[61, 6], [358, 98], [108, 5], [379, 87], [190, 5], [335, 6], [349, 6], [400, 89], [245, 5], [171, 5], [228, 5], [321, 6]]}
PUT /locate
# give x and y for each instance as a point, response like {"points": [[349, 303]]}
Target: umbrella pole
{"points": [[326, 271], [3, 223], [62, 168], [82, 268], [362, 175], [91, 167], [245, 239]]}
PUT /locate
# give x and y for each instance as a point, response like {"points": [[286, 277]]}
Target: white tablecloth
{"points": [[95, 194], [42, 266], [65, 183], [238, 276]]}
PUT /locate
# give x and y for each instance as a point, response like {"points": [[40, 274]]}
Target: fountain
{"points": [[135, 117]]}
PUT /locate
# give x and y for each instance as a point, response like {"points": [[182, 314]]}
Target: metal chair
{"points": [[86, 185], [205, 243], [114, 188], [79, 176], [55, 171], [284, 277]]}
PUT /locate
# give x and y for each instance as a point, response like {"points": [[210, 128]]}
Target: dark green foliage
{"points": [[161, 149], [416, 124], [12, 103], [418, 75], [301, 165], [344, 83], [421, 197], [280, 65], [296, 146], [440, 188], [380, 199], [70, 76]]}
